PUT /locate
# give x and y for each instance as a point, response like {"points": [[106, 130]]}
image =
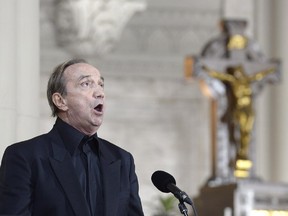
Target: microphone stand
{"points": [[183, 209]]}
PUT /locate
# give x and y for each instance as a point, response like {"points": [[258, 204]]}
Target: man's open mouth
{"points": [[99, 108]]}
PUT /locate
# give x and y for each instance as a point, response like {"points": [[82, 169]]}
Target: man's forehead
{"points": [[82, 69]]}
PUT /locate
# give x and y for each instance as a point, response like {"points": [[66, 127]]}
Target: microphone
{"points": [[166, 183]]}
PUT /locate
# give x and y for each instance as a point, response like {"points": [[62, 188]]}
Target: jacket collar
{"points": [[64, 170]]}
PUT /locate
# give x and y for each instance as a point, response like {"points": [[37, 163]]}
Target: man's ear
{"points": [[59, 101]]}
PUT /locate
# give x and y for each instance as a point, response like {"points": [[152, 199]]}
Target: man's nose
{"points": [[99, 92]]}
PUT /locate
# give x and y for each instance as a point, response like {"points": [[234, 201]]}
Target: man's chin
{"points": [[97, 123]]}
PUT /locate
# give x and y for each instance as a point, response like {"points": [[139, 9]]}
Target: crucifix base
{"points": [[243, 198]]}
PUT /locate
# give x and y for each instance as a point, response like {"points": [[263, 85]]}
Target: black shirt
{"points": [[84, 152]]}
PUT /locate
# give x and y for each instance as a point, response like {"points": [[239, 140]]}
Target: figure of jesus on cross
{"points": [[240, 100], [232, 70]]}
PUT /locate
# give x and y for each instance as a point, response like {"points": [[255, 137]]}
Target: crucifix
{"points": [[232, 71]]}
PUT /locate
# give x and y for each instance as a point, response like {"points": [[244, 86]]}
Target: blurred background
{"points": [[140, 47]]}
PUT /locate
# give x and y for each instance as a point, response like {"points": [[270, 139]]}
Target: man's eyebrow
{"points": [[88, 76], [83, 77]]}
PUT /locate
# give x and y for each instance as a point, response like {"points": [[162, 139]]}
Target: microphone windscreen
{"points": [[161, 179]]}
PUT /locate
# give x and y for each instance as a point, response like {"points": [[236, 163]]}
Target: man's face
{"points": [[85, 97]]}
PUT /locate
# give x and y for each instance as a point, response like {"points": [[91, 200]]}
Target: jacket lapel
{"points": [[64, 171], [110, 166]]}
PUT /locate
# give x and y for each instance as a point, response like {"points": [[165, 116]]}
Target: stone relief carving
{"points": [[92, 26]]}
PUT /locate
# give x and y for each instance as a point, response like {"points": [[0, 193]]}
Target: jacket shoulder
{"points": [[31, 147]]}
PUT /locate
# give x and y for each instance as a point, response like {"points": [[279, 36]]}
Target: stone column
{"points": [[263, 35], [279, 101], [19, 70]]}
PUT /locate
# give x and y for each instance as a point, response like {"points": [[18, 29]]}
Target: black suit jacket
{"points": [[37, 178]]}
